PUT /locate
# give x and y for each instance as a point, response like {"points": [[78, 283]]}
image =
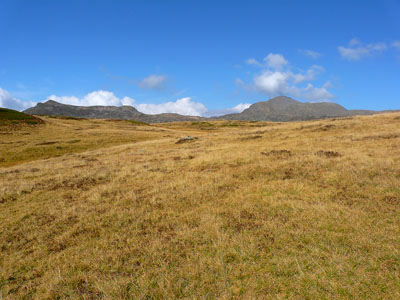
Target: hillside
{"points": [[13, 116], [12, 120], [248, 210], [280, 109]]}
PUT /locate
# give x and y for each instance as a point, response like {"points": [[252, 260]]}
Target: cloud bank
{"points": [[94, 98], [183, 106]]}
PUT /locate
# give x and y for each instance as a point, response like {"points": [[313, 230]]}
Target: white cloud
{"points": [[277, 79], [356, 50], [240, 107], [94, 98], [153, 82], [317, 94], [396, 44], [271, 82], [7, 101], [310, 53], [254, 62], [183, 106], [310, 74], [275, 83], [275, 61]]}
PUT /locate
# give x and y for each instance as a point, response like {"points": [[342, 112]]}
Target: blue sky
{"points": [[199, 57]]}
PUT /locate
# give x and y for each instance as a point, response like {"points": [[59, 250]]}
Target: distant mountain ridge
{"points": [[125, 112], [278, 109]]}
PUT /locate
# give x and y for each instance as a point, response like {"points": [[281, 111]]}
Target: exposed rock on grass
{"points": [[186, 139]]}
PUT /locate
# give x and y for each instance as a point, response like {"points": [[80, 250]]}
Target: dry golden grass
{"points": [[305, 210], [21, 143]]}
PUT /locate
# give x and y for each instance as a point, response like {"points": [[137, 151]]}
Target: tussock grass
{"points": [[304, 212]]}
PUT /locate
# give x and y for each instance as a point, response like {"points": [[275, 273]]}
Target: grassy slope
{"points": [[60, 135], [9, 114], [12, 119], [228, 216]]}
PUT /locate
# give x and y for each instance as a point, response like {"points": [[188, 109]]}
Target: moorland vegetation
{"points": [[99, 209]]}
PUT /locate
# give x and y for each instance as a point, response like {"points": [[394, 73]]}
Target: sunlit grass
{"points": [[305, 210]]}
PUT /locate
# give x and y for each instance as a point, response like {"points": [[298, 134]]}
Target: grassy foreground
{"points": [[304, 210]]}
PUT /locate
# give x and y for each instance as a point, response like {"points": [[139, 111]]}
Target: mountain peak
{"points": [[283, 100], [272, 105], [51, 102]]}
